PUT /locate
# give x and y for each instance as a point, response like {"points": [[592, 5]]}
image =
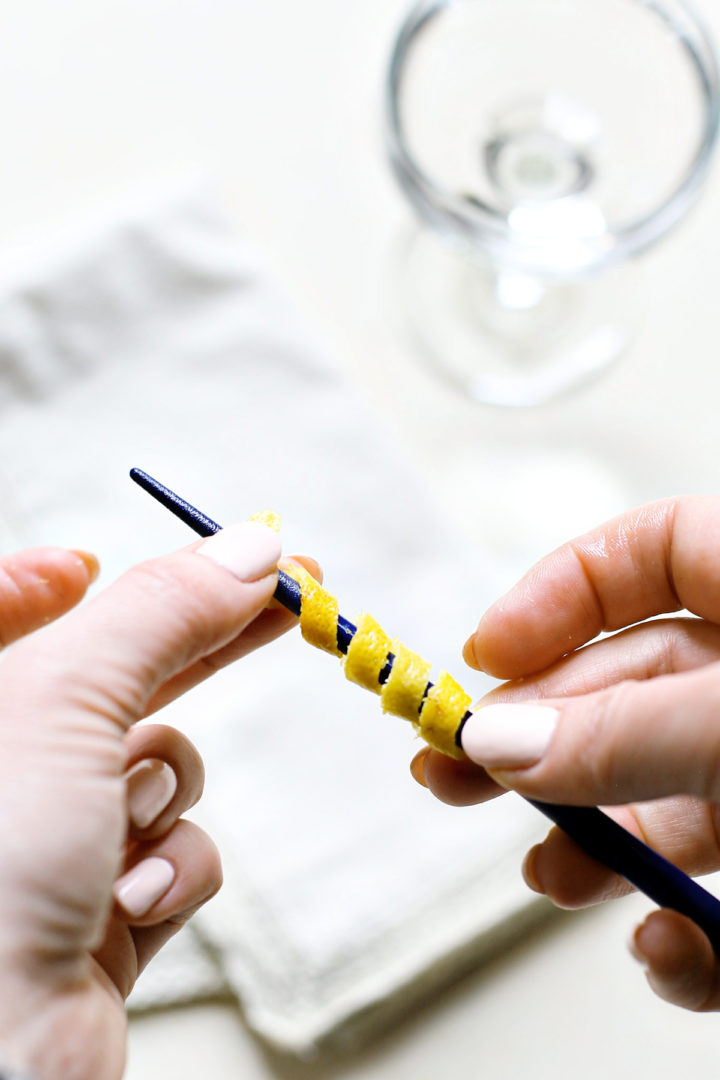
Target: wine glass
{"points": [[542, 144]]}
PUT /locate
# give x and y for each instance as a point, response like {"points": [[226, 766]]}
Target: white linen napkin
{"points": [[159, 340]]}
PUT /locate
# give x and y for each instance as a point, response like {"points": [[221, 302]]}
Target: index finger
{"points": [[39, 585], [659, 558]]}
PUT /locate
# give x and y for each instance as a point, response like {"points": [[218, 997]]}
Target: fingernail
{"points": [[151, 785], [417, 767], [91, 563], [529, 870], [468, 652], [141, 887], [249, 550], [635, 950], [309, 563], [506, 736]]}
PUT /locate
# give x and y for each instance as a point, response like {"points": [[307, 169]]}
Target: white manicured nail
{"points": [[144, 885], [507, 736], [151, 785], [249, 550], [635, 951]]}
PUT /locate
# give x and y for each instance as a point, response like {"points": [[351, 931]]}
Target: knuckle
{"points": [[602, 755], [160, 582], [708, 785], [188, 619]]}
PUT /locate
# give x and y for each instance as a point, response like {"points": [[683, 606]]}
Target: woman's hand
{"points": [[97, 868], [631, 722]]}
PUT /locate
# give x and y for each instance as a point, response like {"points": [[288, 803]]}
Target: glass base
{"points": [[505, 338], [540, 151]]}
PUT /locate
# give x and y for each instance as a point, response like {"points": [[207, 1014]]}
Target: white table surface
{"points": [[278, 104]]}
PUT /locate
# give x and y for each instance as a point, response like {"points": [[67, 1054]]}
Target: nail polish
{"points": [[151, 785], [417, 767], [249, 550], [140, 888], [91, 562], [635, 950], [509, 736], [529, 870]]}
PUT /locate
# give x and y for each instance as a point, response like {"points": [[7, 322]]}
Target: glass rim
{"points": [[469, 224]]}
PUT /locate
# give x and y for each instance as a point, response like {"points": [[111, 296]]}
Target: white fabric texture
{"points": [[159, 340]]}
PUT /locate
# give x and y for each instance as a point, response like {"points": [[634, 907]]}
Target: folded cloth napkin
{"points": [[159, 340]]}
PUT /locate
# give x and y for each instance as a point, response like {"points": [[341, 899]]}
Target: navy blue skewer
{"points": [[287, 591], [590, 828]]}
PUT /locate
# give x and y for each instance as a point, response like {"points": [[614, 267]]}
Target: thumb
{"points": [[110, 656], [629, 742]]}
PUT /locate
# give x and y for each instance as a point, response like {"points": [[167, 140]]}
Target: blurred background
{"points": [[277, 107]]}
